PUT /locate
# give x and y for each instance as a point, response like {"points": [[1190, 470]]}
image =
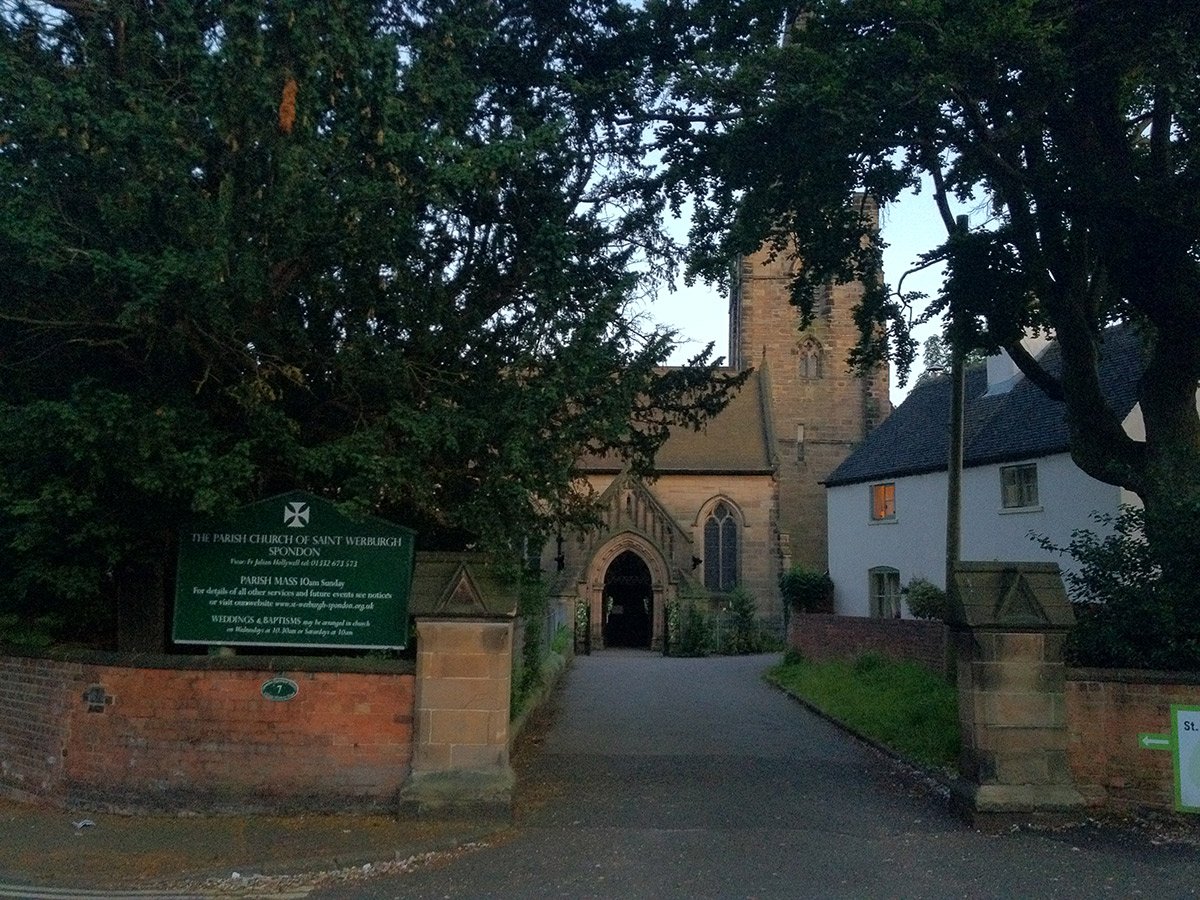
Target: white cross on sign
{"points": [[295, 515]]}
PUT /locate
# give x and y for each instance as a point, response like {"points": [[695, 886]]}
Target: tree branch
{"points": [[1013, 195], [1033, 370], [1160, 133], [1099, 444], [681, 118], [933, 165]]}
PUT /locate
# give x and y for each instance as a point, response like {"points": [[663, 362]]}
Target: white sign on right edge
{"points": [[1185, 736]]}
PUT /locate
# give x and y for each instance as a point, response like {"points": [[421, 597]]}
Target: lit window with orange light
{"points": [[883, 501]]}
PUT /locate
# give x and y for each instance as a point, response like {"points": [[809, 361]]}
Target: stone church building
{"points": [[740, 501]]}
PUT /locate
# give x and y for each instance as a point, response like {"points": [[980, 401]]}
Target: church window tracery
{"points": [[720, 548], [811, 362]]}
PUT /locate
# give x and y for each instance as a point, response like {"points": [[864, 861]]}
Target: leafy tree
{"points": [[1073, 124], [935, 355], [381, 251], [1122, 619]]}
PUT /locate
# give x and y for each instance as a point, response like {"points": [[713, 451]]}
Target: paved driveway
{"points": [[693, 778]]}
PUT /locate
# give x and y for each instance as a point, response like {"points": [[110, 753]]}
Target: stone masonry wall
{"points": [[465, 674], [822, 637], [197, 734], [1012, 721], [836, 407], [1106, 711], [685, 496]]}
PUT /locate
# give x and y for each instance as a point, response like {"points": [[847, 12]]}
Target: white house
{"points": [[887, 501]]}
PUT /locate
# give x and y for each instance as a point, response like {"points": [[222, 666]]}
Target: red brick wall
{"points": [[33, 723], [198, 734], [823, 637], [1106, 711]]}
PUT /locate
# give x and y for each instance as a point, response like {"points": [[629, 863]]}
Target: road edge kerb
{"points": [[942, 779], [316, 866]]}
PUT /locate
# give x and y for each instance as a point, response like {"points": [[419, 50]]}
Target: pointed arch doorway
{"points": [[628, 611]]}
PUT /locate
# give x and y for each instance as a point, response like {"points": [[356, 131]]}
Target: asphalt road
{"points": [[663, 778]]}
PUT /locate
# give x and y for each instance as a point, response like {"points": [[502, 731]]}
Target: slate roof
{"points": [[1021, 424], [736, 441]]}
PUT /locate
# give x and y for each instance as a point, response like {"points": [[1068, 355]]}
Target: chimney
{"points": [[1002, 372]]}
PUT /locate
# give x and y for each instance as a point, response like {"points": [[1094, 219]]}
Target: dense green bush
{"points": [[527, 668], [30, 633], [741, 633], [689, 629], [926, 600], [583, 626], [805, 590], [1126, 617], [561, 641]]}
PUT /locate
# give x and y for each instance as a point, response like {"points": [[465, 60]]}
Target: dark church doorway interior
{"points": [[628, 597]]}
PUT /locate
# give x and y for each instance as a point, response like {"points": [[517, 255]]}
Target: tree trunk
{"points": [[1171, 489], [142, 610]]}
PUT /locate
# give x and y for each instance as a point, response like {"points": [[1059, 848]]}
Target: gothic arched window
{"points": [[810, 359], [720, 549]]}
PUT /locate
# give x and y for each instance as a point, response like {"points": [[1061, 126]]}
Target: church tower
{"points": [[819, 409], [737, 500]]}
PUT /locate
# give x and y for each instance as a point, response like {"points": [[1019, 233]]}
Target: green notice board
{"points": [[293, 571]]}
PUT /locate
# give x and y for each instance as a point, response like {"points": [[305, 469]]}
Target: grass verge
{"points": [[903, 706]]}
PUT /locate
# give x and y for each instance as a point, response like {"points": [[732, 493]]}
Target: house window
{"points": [[1018, 486], [885, 593], [720, 549], [883, 501]]}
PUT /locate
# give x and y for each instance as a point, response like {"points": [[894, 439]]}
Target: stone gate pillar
{"points": [[1007, 625], [460, 764]]}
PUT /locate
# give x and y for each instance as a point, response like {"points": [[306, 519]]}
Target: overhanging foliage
{"points": [[379, 251], [1073, 126]]}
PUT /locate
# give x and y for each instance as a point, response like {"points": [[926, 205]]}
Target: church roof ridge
{"points": [[736, 441]]}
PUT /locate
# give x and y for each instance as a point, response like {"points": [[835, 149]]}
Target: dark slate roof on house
{"points": [[1021, 424], [735, 441]]}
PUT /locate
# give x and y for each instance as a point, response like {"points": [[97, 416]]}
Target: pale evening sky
{"points": [[911, 226]]}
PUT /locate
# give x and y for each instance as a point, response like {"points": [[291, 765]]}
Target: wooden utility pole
{"points": [[954, 465], [955, 462]]}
